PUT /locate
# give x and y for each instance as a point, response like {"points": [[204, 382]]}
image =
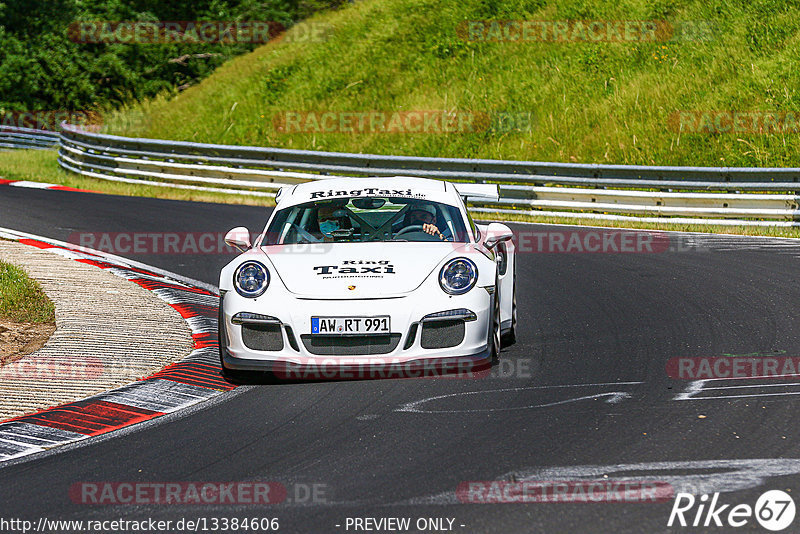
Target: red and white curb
{"points": [[41, 185], [194, 379]]}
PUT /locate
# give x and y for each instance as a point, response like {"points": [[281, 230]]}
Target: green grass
{"points": [[21, 298], [42, 166], [591, 102]]}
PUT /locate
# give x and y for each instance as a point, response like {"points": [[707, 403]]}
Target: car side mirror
{"points": [[239, 238], [497, 233]]}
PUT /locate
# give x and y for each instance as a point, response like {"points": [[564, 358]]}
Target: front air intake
{"points": [[350, 345], [442, 334], [264, 337]]}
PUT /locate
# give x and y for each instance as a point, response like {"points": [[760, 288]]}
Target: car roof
{"points": [[404, 186]]}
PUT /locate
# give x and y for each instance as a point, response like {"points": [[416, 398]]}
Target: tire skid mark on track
{"points": [[191, 381], [737, 388], [611, 397], [687, 476]]}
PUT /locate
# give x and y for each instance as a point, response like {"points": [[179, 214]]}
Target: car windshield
{"points": [[363, 219]]}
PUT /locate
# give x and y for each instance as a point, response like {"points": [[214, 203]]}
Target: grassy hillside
{"points": [[589, 101]]}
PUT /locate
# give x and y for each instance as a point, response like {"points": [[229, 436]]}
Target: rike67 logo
{"points": [[774, 510]]}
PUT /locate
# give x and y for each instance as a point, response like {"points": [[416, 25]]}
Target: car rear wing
{"points": [[478, 191], [282, 192]]}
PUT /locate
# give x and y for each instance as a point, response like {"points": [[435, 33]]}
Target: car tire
{"points": [[495, 341], [509, 337]]}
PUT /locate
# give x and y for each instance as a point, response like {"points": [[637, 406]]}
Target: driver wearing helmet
{"points": [[424, 215], [332, 218]]}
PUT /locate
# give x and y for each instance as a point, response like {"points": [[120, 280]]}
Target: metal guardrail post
{"points": [[26, 138], [701, 192]]}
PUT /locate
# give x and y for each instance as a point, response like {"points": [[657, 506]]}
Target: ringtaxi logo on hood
{"points": [[356, 268]]}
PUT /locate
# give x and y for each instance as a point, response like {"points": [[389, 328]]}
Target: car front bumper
{"points": [[416, 341]]}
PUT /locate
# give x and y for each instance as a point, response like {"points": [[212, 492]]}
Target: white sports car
{"points": [[368, 271]]}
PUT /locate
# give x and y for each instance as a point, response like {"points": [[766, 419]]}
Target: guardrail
{"points": [[12, 137], [562, 189]]}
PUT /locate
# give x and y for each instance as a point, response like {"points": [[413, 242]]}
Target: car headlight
{"points": [[458, 276], [251, 279]]}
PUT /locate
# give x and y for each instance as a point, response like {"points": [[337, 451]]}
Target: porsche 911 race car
{"points": [[376, 271]]}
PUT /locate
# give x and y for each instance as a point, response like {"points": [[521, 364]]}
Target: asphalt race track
{"points": [[584, 393]]}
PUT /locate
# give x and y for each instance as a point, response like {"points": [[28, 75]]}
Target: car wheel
{"points": [[509, 337], [495, 342]]}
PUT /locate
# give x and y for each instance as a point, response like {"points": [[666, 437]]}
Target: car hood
{"points": [[356, 270]]}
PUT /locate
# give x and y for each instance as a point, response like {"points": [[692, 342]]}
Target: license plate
{"points": [[350, 325]]}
